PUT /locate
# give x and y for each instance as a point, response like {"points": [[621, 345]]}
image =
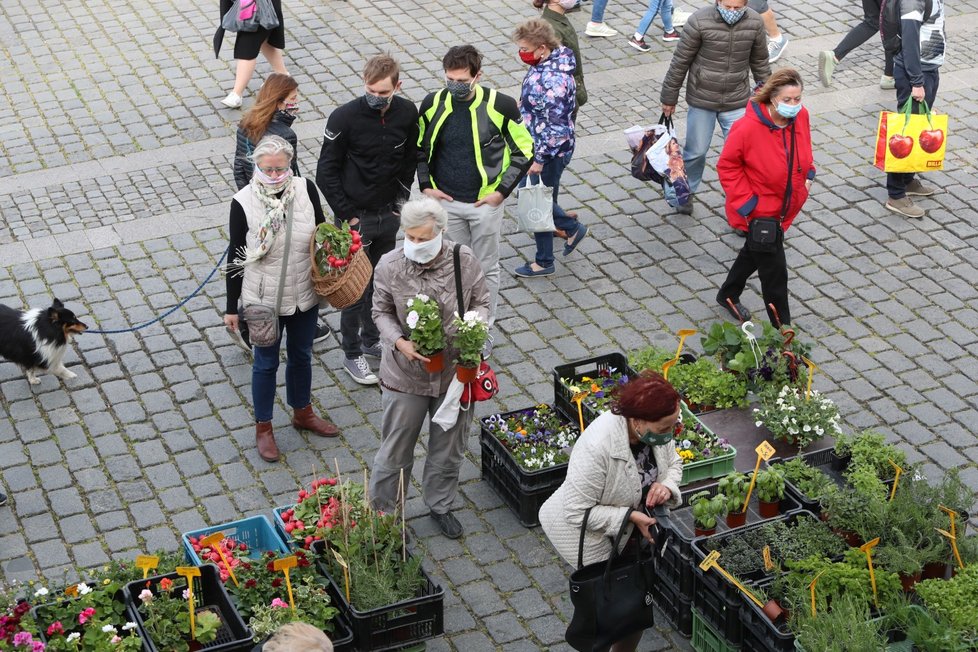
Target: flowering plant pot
{"points": [[535, 438], [471, 331], [424, 321], [91, 615], [466, 374], [797, 419], [436, 362]]}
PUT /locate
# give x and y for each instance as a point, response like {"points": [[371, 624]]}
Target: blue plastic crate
{"points": [[255, 532]]}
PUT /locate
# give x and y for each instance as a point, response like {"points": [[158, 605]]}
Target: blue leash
{"points": [[171, 310]]}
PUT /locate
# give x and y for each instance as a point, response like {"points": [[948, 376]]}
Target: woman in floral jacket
{"points": [[548, 103]]}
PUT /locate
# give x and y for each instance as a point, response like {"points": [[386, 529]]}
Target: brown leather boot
{"points": [[265, 440], [306, 419]]}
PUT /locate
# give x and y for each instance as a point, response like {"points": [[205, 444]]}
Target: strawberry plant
{"points": [[335, 247]]}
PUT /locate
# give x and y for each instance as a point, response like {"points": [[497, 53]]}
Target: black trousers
{"points": [[772, 270]]}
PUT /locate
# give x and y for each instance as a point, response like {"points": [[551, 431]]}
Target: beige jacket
{"points": [[602, 475], [396, 281], [261, 279]]}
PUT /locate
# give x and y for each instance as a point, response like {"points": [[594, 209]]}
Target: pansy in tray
{"points": [[694, 442], [537, 437], [599, 389]]}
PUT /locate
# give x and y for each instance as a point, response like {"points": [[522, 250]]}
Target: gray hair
{"points": [[419, 212], [270, 145]]}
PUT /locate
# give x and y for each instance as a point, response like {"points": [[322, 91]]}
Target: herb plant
{"points": [[707, 509], [810, 481], [733, 487], [769, 485]]}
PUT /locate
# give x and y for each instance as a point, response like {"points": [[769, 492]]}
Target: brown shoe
{"points": [[265, 440], [306, 419]]}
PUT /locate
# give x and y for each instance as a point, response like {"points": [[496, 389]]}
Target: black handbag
{"points": [[764, 234], [612, 599]]}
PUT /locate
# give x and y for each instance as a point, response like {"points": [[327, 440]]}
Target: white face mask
{"points": [[422, 252]]}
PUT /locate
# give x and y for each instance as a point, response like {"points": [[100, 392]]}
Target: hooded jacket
{"points": [[396, 281], [753, 166], [717, 59], [548, 101]]}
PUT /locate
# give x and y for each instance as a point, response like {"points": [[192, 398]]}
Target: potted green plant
{"points": [[424, 321], [812, 483], [471, 331], [163, 608], [706, 510], [733, 487], [868, 448], [798, 419], [953, 601], [707, 387], [904, 555], [769, 485]]}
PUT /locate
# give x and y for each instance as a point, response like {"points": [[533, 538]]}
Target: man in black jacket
{"points": [[366, 168]]}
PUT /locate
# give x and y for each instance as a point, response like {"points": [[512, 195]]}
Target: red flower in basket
{"points": [[335, 247]]}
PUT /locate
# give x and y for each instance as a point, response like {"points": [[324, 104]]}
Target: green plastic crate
{"points": [[705, 639], [715, 467]]}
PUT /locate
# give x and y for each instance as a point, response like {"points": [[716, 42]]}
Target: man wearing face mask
{"points": [[720, 46], [366, 168], [473, 151], [410, 393]]}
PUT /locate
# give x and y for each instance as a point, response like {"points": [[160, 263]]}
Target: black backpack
{"points": [[890, 24]]}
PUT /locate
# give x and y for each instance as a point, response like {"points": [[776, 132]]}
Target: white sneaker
{"points": [[600, 29], [679, 18], [887, 83], [232, 101]]}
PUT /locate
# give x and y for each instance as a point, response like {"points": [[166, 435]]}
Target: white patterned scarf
{"points": [[275, 202]]}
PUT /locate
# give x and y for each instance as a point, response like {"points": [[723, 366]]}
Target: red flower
{"points": [[270, 567], [250, 584], [55, 628], [277, 582], [166, 584], [85, 615]]}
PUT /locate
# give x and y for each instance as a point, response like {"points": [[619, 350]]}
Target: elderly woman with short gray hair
{"points": [[425, 265], [272, 220]]}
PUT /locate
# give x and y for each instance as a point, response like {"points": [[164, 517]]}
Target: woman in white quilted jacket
{"points": [[625, 459]]}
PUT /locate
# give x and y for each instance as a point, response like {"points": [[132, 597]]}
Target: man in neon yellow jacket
{"points": [[473, 151]]}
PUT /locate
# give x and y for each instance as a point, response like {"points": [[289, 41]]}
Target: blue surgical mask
{"points": [[459, 89], [731, 16], [787, 110]]}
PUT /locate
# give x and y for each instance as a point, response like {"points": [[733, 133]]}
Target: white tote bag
{"points": [[535, 208]]}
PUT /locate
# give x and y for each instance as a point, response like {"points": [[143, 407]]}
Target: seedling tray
{"points": [[255, 532]]}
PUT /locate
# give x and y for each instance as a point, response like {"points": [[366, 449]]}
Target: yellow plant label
{"points": [[766, 553], [285, 563], [212, 539], [765, 450], [667, 365], [683, 333], [710, 561], [896, 478], [811, 588], [147, 563]]}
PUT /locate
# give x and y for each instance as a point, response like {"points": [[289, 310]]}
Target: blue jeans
{"points": [[597, 11], [550, 176], [700, 124], [896, 182], [301, 329], [654, 7]]}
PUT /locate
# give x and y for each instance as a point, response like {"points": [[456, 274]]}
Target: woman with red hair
{"points": [[624, 460]]}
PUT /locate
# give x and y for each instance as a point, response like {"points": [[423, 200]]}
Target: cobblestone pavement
{"points": [[114, 181]]}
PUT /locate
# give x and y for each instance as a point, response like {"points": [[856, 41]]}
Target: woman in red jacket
{"points": [[766, 170]]}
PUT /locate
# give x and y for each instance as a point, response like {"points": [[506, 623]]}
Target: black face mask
{"points": [[459, 89], [378, 103]]}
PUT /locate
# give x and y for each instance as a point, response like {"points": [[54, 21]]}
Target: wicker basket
{"points": [[341, 290]]}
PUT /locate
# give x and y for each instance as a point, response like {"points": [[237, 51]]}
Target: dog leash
{"points": [[168, 312]]}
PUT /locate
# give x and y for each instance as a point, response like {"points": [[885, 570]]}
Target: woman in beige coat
{"points": [[625, 459]]}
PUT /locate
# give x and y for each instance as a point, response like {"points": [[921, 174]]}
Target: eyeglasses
{"points": [[274, 170]]}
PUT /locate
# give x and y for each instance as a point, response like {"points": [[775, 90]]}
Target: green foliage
{"points": [[852, 511], [869, 449], [733, 487], [703, 383], [312, 605], [765, 364], [166, 617], [798, 420], [707, 509], [927, 634], [769, 485], [849, 578], [847, 627], [471, 331], [424, 321], [649, 358], [810, 481], [953, 601]]}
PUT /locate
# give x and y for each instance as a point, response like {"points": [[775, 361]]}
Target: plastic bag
{"points": [[666, 157], [249, 15], [535, 208]]}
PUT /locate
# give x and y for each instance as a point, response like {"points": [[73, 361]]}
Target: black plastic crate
{"points": [[760, 633], [499, 458], [677, 569], [720, 610], [573, 371], [209, 594], [676, 608], [525, 504], [394, 626], [821, 460]]}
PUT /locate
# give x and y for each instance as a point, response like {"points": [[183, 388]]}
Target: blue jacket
{"points": [[547, 102]]}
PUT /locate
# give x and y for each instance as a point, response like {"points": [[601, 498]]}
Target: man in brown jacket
{"points": [[720, 46]]}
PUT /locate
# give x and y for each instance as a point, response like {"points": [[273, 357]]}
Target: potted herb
{"points": [[427, 333], [811, 482], [706, 510], [706, 387], [769, 484], [869, 449], [470, 336], [733, 487], [795, 419], [953, 601], [903, 555]]}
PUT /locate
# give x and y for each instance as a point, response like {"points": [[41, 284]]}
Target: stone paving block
{"points": [[77, 528], [505, 628]]}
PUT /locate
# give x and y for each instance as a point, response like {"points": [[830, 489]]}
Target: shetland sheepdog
{"points": [[36, 339]]}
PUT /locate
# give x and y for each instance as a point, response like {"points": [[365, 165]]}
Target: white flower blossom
{"points": [[128, 627], [84, 589], [412, 319], [422, 297], [72, 637], [40, 591], [109, 628]]}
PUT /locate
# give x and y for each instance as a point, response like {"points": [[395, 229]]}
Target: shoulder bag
{"points": [[263, 326], [612, 599], [485, 385], [764, 234]]}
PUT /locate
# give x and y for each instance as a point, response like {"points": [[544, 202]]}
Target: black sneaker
{"points": [[448, 524], [322, 332], [3, 499], [737, 310]]}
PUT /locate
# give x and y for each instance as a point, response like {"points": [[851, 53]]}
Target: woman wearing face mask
{"points": [[272, 114], [547, 102], [425, 265], [247, 45], [766, 169], [624, 465], [554, 13], [272, 221]]}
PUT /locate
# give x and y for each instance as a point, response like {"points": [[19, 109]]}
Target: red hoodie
{"points": [[753, 166]]}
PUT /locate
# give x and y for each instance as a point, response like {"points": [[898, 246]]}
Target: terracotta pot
{"points": [[436, 362], [736, 519], [466, 374], [772, 610], [851, 538], [934, 570], [699, 532], [908, 581], [768, 510]]}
